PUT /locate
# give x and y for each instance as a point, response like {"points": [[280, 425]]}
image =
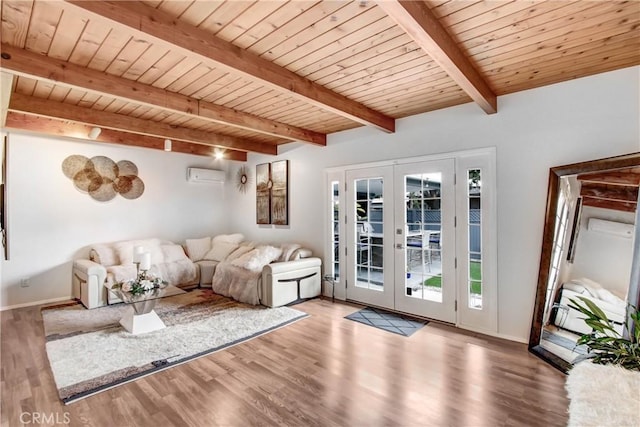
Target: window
{"points": [[474, 224], [369, 231], [335, 227]]}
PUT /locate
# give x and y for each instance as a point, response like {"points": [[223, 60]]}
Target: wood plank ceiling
{"points": [[247, 76], [616, 189]]}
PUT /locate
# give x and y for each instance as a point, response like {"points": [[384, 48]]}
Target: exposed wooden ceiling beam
{"points": [[6, 87], [182, 36], [32, 65], [417, 20], [70, 129], [610, 192], [609, 204], [103, 119], [628, 176]]}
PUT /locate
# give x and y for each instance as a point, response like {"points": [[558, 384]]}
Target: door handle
{"points": [[399, 246]]}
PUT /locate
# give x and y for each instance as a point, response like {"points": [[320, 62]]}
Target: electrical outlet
{"points": [[24, 282]]}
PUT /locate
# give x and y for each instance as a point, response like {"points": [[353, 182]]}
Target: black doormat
{"points": [[392, 322]]}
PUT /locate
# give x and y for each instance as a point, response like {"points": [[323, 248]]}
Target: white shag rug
{"points": [[89, 351], [603, 396]]}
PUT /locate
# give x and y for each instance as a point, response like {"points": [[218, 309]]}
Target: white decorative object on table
{"points": [[145, 261], [137, 254], [141, 293]]}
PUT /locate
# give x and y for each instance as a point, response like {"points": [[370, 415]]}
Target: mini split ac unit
{"points": [[205, 175], [613, 228]]}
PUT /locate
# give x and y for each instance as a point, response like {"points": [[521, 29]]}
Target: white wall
{"points": [[603, 257], [579, 120], [51, 223]]}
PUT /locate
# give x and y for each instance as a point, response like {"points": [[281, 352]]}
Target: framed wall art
{"points": [[272, 193], [280, 192], [263, 193]]}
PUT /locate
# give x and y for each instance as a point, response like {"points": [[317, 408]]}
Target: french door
{"points": [[418, 236], [400, 238], [369, 230], [425, 273]]}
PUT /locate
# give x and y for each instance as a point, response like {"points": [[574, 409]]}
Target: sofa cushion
{"points": [[198, 248], [228, 238], [220, 250], [177, 272], [120, 273], [173, 253], [242, 249], [125, 250], [104, 255], [207, 269], [257, 258]]}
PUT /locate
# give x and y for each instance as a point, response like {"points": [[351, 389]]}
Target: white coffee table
{"points": [[142, 318]]}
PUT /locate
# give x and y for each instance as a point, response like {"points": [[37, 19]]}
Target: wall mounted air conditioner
{"points": [[613, 228], [205, 175]]}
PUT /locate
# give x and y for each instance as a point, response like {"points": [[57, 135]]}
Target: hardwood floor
{"points": [[321, 371]]}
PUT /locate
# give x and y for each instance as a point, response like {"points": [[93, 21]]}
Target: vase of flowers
{"points": [[143, 283]]}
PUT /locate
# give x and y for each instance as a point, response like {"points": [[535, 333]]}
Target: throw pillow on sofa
{"points": [[173, 253], [257, 258], [198, 248], [228, 238], [220, 250]]}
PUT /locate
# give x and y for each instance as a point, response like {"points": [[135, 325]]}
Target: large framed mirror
{"points": [[590, 248]]}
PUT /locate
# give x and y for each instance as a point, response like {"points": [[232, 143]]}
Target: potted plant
{"points": [[605, 391], [605, 345]]}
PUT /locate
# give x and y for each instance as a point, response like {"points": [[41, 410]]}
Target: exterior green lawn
{"points": [[476, 278]]}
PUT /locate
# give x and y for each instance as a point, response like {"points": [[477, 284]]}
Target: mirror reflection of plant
{"points": [[606, 345]]}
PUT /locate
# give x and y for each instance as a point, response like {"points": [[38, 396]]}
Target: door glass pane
{"points": [[335, 238], [474, 276], [369, 240], [423, 226]]}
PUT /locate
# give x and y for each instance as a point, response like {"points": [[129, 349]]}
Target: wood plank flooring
{"points": [[321, 371]]}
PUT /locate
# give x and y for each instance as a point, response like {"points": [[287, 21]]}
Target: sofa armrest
{"points": [[285, 282], [85, 268], [301, 253], [88, 283], [288, 266]]}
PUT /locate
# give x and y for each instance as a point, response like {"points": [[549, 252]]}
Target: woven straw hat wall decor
{"points": [[102, 178]]}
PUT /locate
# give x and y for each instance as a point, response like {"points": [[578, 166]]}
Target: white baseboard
{"points": [[495, 334], [29, 304]]}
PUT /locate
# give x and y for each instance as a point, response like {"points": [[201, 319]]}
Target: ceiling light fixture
{"points": [[219, 155], [94, 133], [167, 145]]}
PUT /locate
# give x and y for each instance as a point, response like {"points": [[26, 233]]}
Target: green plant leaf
{"points": [[595, 309], [604, 344]]}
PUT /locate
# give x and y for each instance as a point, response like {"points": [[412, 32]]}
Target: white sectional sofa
{"points": [[231, 266], [256, 273], [570, 319], [109, 263]]}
